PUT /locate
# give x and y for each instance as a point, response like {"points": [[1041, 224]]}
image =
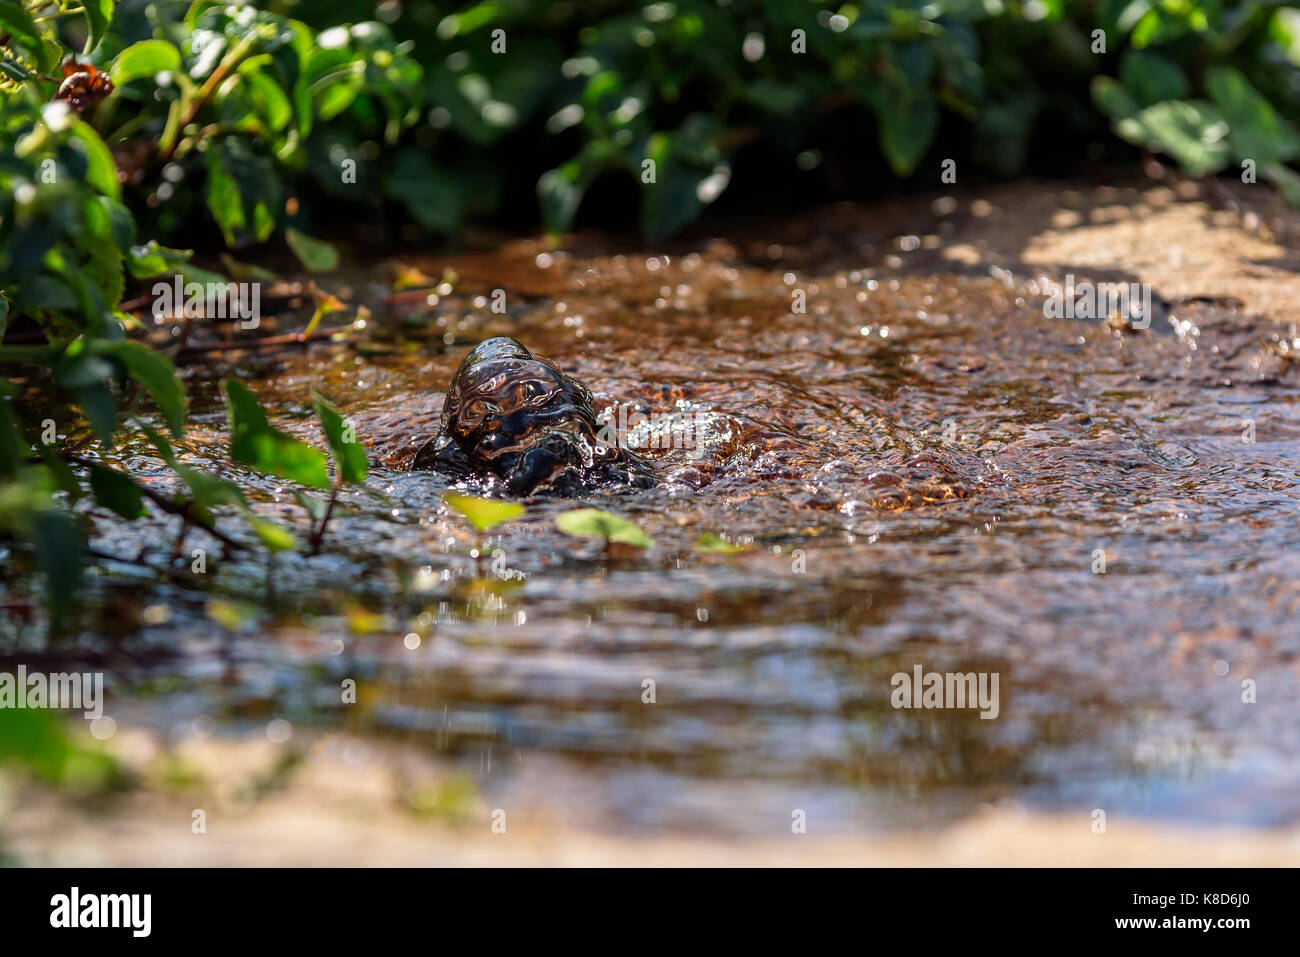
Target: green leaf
{"points": [[243, 191], [254, 442], [316, 507], [266, 96], [560, 191], [691, 172], [156, 373], [773, 96], [22, 30], [1256, 131], [483, 513], [18, 23], [1286, 180], [1146, 29], [349, 454], [207, 490], [595, 523], [430, 195], [98, 15], [101, 171], [151, 259], [246, 272], [58, 550], [96, 401], [14, 71], [37, 741], [908, 121], [1151, 78], [115, 491], [711, 544], [147, 58], [1191, 131], [1112, 99], [275, 537], [315, 254]]}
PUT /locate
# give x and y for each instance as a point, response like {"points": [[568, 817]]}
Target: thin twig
{"points": [[271, 342], [186, 509]]}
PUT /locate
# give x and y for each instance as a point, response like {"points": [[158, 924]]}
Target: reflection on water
{"points": [[927, 471]]}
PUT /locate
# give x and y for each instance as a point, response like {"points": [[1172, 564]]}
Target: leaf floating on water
{"points": [[483, 513], [711, 544], [595, 523]]}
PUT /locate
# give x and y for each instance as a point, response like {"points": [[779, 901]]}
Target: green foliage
{"points": [[66, 242], [36, 741], [483, 513], [349, 454], [144, 60], [254, 442], [248, 105], [1151, 103], [115, 491], [314, 254]]}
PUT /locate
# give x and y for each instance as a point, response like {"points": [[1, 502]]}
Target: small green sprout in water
{"points": [[326, 303], [711, 544], [206, 492], [482, 513], [253, 441], [349, 456], [595, 523]]}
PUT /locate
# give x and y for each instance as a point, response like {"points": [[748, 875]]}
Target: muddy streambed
{"points": [[925, 470]]}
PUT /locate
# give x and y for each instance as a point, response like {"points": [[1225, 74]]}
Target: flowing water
{"points": [[923, 470]]}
